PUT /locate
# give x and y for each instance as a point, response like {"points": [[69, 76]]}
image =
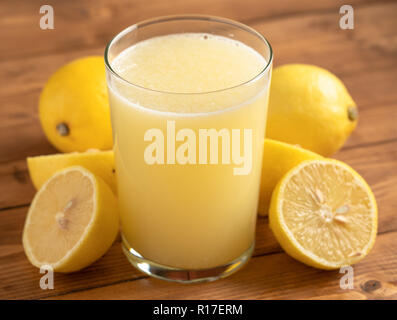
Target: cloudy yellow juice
{"points": [[192, 203]]}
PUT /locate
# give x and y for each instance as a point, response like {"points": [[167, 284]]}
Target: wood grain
{"points": [[93, 23], [21, 279], [275, 276], [366, 48]]}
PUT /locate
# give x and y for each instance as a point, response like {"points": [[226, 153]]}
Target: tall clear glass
{"points": [[188, 218]]}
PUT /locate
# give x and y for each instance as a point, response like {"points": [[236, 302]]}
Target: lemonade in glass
{"points": [[188, 98]]}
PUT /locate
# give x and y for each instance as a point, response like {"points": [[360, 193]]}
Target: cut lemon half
{"points": [[324, 214], [72, 221], [100, 163]]}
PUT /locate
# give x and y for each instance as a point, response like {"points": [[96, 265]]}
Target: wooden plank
{"points": [[324, 44], [93, 23], [16, 188], [309, 39], [275, 276], [377, 122], [376, 163], [20, 280]]}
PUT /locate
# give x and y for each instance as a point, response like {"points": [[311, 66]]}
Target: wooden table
{"points": [[300, 31]]}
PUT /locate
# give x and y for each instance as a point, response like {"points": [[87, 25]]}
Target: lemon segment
{"points": [[278, 158], [324, 214], [311, 107], [72, 221], [100, 163], [74, 109]]}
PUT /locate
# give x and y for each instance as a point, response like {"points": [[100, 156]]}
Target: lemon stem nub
{"points": [[352, 113], [63, 129]]}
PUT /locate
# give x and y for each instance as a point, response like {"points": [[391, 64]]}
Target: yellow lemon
{"points": [[324, 214], [311, 107], [278, 158], [72, 221], [100, 163], [74, 109]]}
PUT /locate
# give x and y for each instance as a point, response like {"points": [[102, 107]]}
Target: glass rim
{"points": [[198, 17]]}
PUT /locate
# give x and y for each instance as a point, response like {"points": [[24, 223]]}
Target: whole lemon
{"points": [[311, 107], [74, 108]]}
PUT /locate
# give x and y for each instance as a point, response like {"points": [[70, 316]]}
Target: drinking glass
{"points": [[188, 221]]}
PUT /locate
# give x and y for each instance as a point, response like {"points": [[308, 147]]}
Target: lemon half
{"points": [[324, 214], [72, 221]]}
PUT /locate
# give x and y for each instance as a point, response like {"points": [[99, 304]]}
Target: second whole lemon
{"points": [[311, 107], [74, 108]]}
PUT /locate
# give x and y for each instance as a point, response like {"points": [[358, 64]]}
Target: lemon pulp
{"points": [[72, 221], [324, 214]]}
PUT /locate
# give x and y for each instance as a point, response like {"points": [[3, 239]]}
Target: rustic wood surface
{"points": [[300, 31]]}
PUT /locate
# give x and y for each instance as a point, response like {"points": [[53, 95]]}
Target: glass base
{"points": [[182, 275]]}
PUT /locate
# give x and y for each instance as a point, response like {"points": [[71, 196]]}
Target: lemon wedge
{"points": [[100, 163], [278, 158], [72, 221], [324, 214]]}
